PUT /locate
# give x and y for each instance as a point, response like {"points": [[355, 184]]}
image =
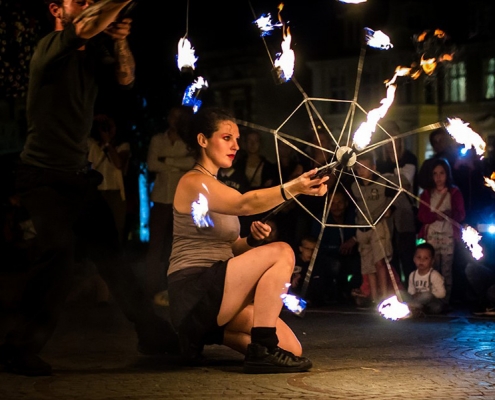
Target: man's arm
{"points": [[125, 64], [97, 17]]}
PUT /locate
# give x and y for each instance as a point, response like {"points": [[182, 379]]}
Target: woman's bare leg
{"points": [[260, 276]]}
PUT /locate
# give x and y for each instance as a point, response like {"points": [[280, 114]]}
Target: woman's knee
{"points": [[282, 251]]}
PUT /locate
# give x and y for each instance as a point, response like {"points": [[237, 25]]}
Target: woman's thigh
{"points": [[244, 272]]}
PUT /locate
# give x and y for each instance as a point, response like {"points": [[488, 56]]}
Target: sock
{"points": [[265, 336]]}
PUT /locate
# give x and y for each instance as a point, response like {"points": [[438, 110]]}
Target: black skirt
{"points": [[195, 296]]}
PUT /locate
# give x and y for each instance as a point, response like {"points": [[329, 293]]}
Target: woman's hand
{"points": [[259, 230], [307, 184]]}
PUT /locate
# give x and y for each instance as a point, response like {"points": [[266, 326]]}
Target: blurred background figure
{"points": [[258, 171], [168, 159], [109, 155], [337, 266]]}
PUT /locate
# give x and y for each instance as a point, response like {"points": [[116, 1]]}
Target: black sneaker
{"points": [[261, 361], [22, 363]]}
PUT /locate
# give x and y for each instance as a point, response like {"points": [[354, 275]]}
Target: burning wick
{"points": [[185, 55], [377, 39], [393, 309], [191, 94]]}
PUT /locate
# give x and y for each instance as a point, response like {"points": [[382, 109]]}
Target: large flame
{"points": [[362, 136], [185, 55]]}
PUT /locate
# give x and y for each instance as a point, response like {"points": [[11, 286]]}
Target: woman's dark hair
{"points": [[205, 121], [449, 182]]}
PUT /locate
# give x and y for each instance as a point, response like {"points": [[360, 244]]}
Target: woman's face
{"points": [[223, 145], [439, 176]]}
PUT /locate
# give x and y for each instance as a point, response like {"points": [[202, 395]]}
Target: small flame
{"points": [[393, 309], [426, 65], [377, 39], [199, 212], [185, 55], [463, 134], [191, 94], [471, 238], [284, 63], [353, 1], [265, 25], [362, 136], [293, 303], [490, 183]]}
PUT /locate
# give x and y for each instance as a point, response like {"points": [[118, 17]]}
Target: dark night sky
{"points": [[218, 26]]}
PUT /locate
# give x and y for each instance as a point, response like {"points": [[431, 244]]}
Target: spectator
{"points": [[375, 245], [168, 159], [109, 155], [337, 263], [306, 249], [426, 285], [441, 211], [443, 147], [481, 280]]}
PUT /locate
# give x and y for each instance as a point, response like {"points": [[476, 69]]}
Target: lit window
{"points": [[455, 83], [489, 78]]}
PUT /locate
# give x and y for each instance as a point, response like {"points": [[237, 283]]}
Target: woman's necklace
{"points": [[205, 169]]}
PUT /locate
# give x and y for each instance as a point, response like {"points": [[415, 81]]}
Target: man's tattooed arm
{"points": [[126, 66]]}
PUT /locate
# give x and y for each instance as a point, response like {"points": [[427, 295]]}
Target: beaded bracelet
{"points": [[282, 192]]}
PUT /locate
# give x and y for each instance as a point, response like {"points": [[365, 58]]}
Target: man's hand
{"points": [[119, 30]]}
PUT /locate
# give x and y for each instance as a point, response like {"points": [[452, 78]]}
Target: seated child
{"points": [[426, 285]]}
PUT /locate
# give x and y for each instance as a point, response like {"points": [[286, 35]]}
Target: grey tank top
{"points": [[202, 247]]}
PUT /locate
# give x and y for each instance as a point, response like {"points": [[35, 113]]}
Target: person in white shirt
{"points": [[426, 285], [168, 158], [110, 157]]}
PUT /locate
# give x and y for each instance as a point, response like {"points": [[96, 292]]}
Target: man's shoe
{"points": [[23, 363], [259, 360]]}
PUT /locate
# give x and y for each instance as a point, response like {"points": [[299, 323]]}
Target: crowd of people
{"points": [[223, 269]]}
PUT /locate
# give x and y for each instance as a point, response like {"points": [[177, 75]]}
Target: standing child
{"points": [[426, 285], [441, 209], [375, 245]]}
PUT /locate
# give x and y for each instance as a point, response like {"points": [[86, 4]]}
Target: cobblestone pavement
{"points": [[356, 355]]}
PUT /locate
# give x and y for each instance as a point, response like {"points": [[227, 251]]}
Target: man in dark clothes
{"points": [[58, 189]]}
